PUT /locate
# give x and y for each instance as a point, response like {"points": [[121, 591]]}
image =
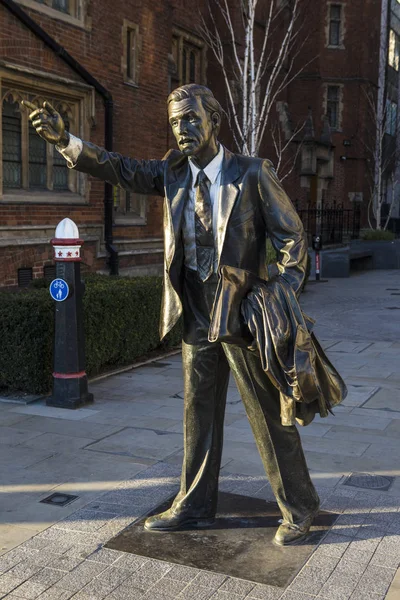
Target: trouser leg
{"points": [[279, 446], [206, 377]]}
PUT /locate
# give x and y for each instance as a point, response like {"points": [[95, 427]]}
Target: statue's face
{"points": [[193, 127]]}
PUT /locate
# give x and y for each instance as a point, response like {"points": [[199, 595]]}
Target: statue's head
{"points": [[195, 118]]}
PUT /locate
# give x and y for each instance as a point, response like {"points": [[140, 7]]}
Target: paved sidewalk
{"points": [[122, 457]]}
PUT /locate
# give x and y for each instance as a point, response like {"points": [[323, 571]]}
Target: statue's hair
{"points": [[193, 90]]}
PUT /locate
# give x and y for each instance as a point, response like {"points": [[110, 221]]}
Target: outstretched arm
{"points": [[140, 176], [284, 227]]}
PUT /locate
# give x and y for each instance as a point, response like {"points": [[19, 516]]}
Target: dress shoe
{"points": [[293, 533], [171, 521]]}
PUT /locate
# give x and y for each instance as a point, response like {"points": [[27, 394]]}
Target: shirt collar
{"points": [[213, 168]]}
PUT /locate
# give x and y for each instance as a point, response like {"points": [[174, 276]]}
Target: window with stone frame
{"points": [[33, 169], [394, 50], [130, 56], [189, 59], [391, 117], [72, 11], [335, 24], [63, 5], [333, 93], [129, 208]]}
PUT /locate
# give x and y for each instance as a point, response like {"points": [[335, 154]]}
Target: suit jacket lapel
{"points": [[177, 193], [229, 193]]}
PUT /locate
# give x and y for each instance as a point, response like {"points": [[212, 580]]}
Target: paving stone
{"points": [[360, 595], [311, 579], [370, 532], [65, 562], [296, 596], [391, 545], [238, 587], [130, 562], [321, 560], [82, 551], [128, 590], [56, 593], [46, 577], [155, 569], [335, 503], [9, 560], [383, 559], [361, 550], [34, 544], [24, 570], [53, 534], [81, 575], [334, 592], [108, 507], [265, 592], [105, 555], [168, 587], [85, 520], [218, 595], [105, 583], [9, 582], [182, 573], [196, 592], [376, 580], [347, 567], [210, 580], [335, 544], [31, 590], [143, 582]]}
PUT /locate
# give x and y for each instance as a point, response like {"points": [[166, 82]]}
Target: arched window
{"points": [[32, 169], [12, 155], [188, 54], [37, 161], [60, 168]]}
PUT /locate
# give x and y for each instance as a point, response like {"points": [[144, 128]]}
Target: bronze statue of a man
{"points": [[219, 210]]}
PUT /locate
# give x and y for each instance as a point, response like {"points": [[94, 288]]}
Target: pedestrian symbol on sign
{"points": [[59, 290]]}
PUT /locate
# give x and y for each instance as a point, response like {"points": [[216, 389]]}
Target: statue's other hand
{"points": [[48, 123]]}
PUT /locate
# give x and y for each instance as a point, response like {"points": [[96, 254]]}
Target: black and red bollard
{"points": [[70, 386]]}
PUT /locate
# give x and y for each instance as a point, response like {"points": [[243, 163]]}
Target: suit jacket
{"points": [[252, 207]]}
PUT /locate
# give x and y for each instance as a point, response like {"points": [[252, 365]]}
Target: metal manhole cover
{"points": [[59, 499], [367, 481]]}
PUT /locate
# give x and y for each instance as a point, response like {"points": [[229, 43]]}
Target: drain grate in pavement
{"points": [[366, 481], [59, 499]]}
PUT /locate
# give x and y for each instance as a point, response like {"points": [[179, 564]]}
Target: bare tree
{"points": [[383, 157], [256, 77]]}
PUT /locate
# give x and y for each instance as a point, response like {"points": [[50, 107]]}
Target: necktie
{"points": [[203, 228]]}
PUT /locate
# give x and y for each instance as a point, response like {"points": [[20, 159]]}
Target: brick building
{"points": [[79, 53], [139, 50], [341, 57]]}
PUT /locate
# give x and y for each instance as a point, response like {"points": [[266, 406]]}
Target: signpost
{"points": [[59, 290], [317, 245], [70, 387]]}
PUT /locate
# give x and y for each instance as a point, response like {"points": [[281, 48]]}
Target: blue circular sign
{"points": [[59, 290]]}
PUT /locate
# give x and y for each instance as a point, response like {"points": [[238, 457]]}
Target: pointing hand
{"points": [[48, 123]]}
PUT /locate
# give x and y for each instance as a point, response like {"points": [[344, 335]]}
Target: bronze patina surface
{"points": [[238, 544]]}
